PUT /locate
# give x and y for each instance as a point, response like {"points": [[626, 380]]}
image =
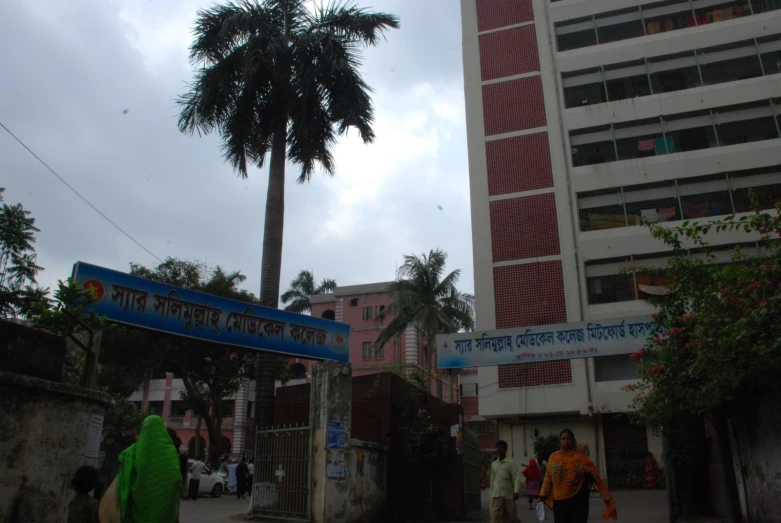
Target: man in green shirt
{"points": [[505, 487]]}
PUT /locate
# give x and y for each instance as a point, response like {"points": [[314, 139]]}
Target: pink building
{"points": [[358, 306], [162, 396]]}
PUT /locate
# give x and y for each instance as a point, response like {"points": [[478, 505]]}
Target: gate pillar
{"points": [[330, 417]]}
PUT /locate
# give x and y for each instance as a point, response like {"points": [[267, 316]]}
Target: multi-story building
{"points": [[582, 117], [358, 306], [161, 395]]}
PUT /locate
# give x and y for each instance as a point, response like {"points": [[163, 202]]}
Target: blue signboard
{"points": [[562, 341], [335, 435], [152, 305]]}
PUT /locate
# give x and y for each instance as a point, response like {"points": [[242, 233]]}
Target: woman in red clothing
{"points": [[533, 476]]}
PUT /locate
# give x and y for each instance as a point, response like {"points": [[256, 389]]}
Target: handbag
{"points": [[108, 511], [541, 511]]}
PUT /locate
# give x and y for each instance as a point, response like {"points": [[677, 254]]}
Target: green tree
{"points": [[717, 348], [301, 288], [423, 297], [544, 446], [211, 372], [18, 261], [276, 79]]}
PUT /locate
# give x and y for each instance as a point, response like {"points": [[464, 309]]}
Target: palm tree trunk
{"points": [[265, 363], [198, 450]]}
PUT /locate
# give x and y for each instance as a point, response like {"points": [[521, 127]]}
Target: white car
{"points": [[211, 483]]}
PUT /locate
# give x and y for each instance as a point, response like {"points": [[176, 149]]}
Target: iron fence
{"points": [[625, 463], [471, 470], [283, 474]]}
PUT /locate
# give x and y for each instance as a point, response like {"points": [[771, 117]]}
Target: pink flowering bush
{"points": [[719, 340]]}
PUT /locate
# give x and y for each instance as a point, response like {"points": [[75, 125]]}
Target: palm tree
{"points": [[301, 288], [277, 79], [422, 297]]}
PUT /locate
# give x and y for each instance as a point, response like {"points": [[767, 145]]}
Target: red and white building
{"points": [[582, 117]]}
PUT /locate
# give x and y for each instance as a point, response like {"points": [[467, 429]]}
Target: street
{"points": [[637, 506], [213, 510]]}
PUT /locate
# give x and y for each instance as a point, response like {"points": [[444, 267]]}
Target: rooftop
{"points": [[351, 290]]}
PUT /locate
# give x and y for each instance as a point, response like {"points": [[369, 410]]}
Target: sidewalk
{"points": [[635, 506]]}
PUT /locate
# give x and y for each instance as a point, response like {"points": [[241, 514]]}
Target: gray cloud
{"points": [[70, 71]]}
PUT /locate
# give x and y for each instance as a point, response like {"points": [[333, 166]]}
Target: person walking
{"points": [[195, 479], [568, 480], [242, 475], [149, 480], [251, 479], [533, 476], [83, 508], [505, 487]]}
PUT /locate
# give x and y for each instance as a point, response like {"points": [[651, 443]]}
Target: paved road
{"points": [[633, 506], [639, 506], [211, 510]]}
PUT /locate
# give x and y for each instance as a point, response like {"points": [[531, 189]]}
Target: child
{"points": [[83, 508]]}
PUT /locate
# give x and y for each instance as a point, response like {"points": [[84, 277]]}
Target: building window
{"points": [[379, 353], [652, 18], [176, 409], [367, 313], [674, 133], [688, 198], [662, 74], [228, 408], [535, 374], [354, 302], [251, 409], [367, 350], [155, 407], [380, 308], [613, 280], [615, 368]]}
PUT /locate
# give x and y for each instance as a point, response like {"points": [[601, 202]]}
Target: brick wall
{"points": [[521, 163], [507, 53], [524, 227], [513, 106], [376, 417], [493, 14]]}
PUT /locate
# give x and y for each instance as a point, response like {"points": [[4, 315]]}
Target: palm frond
{"points": [[353, 23]]}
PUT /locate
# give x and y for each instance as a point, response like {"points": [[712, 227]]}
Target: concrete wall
{"points": [[755, 438], [520, 436], [367, 491], [43, 437]]}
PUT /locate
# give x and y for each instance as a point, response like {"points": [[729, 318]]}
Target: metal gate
{"points": [[625, 462], [283, 474], [471, 470]]}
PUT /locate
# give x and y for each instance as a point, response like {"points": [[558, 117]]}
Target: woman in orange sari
{"points": [[568, 481]]}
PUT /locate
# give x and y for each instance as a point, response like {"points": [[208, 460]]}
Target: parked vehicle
{"points": [[212, 483]]}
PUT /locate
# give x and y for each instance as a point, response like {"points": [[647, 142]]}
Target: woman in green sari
{"points": [[149, 481]]}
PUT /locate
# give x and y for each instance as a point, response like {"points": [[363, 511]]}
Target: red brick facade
{"points": [[507, 53], [535, 374], [529, 294], [524, 227], [515, 105], [493, 14], [517, 164]]}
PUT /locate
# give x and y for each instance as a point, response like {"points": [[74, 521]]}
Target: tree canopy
{"points": [[424, 296], [718, 343], [296, 298]]}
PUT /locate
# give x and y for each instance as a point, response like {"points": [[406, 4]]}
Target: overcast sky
{"points": [[70, 69]]}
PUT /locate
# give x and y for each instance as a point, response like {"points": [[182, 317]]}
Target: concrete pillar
{"points": [[330, 412], [239, 417]]}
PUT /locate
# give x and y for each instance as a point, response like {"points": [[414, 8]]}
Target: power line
{"points": [[120, 229]]}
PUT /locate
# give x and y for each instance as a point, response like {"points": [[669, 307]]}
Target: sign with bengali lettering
{"points": [[544, 342], [148, 304]]}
